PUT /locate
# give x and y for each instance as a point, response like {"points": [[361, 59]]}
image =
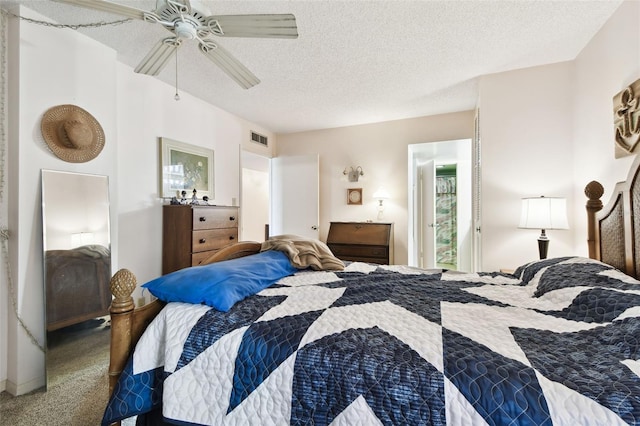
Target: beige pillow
{"points": [[304, 252]]}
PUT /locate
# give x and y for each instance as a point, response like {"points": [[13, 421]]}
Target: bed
{"points": [[556, 342], [77, 284]]}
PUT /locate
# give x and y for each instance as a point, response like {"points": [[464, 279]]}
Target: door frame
{"points": [[426, 213]]}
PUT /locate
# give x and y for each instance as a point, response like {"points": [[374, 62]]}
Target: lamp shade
{"points": [[381, 194], [544, 213]]}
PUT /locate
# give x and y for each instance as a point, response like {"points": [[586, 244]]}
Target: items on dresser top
{"points": [[370, 242], [190, 234]]}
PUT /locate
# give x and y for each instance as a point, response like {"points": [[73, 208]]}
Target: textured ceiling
{"points": [[358, 62]]}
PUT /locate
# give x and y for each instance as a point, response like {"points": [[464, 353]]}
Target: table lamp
{"points": [[544, 213], [381, 194]]}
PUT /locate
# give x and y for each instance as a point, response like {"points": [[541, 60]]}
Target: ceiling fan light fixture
{"points": [[185, 30]]}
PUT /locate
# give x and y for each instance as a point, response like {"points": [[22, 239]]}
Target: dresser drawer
{"points": [[212, 239], [360, 233], [218, 217], [198, 258], [350, 250]]}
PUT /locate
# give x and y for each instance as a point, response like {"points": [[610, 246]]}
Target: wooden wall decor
{"points": [[354, 196], [626, 119]]}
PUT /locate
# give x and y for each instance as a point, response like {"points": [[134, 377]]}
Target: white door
{"points": [[294, 195], [427, 179]]}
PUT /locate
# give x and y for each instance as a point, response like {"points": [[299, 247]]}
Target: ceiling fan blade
{"points": [[107, 6], [158, 57], [229, 64], [260, 26]]}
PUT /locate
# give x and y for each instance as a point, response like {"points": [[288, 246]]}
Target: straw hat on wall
{"points": [[72, 134]]}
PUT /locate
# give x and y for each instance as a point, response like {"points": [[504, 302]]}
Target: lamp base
{"points": [[543, 245]]}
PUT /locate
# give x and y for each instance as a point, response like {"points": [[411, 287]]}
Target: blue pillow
{"points": [[220, 285]]}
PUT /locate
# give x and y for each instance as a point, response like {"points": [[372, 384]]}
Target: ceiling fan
{"points": [[191, 20]]}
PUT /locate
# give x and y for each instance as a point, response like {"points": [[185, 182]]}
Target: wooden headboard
{"points": [[612, 235]]}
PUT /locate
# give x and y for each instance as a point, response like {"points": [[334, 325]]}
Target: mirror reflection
{"points": [[77, 266]]}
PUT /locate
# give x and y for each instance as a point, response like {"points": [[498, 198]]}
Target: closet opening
{"points": [[446, 224]]}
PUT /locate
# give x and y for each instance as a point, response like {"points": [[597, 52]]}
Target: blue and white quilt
{"points": [[556, 343]]}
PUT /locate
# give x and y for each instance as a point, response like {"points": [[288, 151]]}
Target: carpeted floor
{"points": [[77, 363]]}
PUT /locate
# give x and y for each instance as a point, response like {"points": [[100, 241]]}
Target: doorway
{"points": [[440, 208], [254, 196], [278, 196], [446, 217]]}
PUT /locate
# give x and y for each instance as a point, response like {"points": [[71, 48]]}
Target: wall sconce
{"points": [[544, 213], [354, 174], [381, 194]]}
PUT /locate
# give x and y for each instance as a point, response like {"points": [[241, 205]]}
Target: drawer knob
{"points": [[231, 237], [203, 219], [203, 240], [232, 218]]}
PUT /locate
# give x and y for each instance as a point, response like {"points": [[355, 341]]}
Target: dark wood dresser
{"points": [[190, 234], [370, 242]]}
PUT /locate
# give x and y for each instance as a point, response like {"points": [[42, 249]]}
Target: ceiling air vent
{"points": [[262, 140]]}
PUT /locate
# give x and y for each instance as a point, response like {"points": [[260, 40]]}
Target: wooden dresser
{"points": [[370, 242], [190, 234]]}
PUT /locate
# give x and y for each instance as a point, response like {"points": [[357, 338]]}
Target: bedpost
{"points": [[594, 191], [122, 285]]}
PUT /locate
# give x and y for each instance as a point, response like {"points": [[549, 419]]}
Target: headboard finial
{"points": [[122, 285], [594, 190]]}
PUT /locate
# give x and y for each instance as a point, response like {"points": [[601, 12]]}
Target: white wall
{"points": [[381, 150], [526, 151], [608, 64], [51, 67], [5, 307]]}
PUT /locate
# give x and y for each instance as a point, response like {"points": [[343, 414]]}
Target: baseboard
{"points": [[23, 388], [3, 385]]}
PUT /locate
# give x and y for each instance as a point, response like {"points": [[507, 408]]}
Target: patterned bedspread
{"points": [[556, 343]]}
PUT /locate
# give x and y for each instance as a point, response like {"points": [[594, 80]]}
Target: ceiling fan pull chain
{"points": [[177, 96]]}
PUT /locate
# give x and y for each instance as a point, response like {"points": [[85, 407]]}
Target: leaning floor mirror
{"points": [[77, 269]]}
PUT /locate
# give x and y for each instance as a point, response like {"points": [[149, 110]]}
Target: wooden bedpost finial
{"points": [[594, 190], [122, 285]]}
